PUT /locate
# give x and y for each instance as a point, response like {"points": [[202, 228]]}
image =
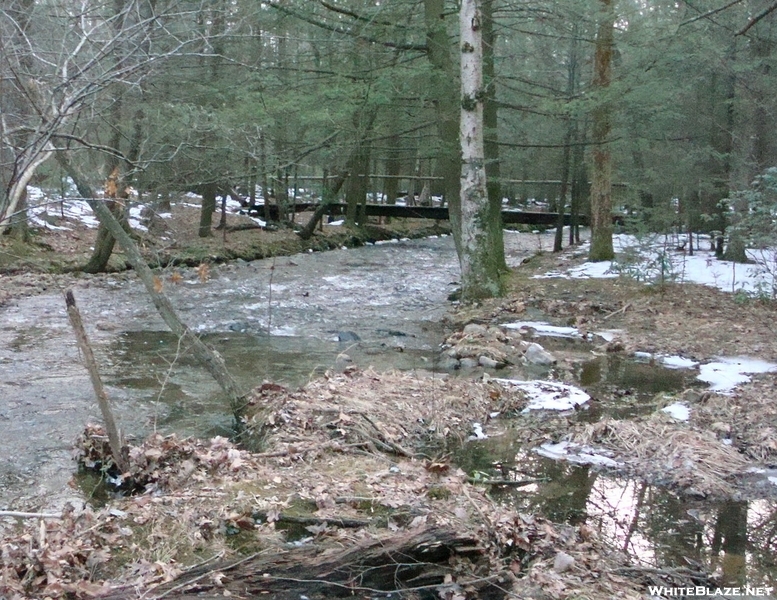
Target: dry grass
{"points": [[660, 450]]}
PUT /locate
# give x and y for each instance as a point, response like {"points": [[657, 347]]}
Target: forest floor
{"points": [[350, 488]]}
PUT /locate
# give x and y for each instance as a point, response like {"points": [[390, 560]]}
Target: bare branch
{"points": [[709, 13], [761, 15], [345, 31]]}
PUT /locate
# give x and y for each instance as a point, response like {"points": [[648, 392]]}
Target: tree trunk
{"points": [[208, 191], [358, 165], [558, 240], [571, 126], [580, 187], [103, 245], [480, 277], [601, 185], [442, 83], [330, 191], [491, 137], [19, 227], [406, 560], [206, 355]]}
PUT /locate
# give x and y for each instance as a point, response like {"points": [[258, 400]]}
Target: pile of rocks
{"points": [[491, 347]]}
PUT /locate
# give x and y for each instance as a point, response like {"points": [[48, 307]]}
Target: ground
{"points": [[361, 459]]}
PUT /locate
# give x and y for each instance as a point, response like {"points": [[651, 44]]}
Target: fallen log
{"points": [[417, 563]]}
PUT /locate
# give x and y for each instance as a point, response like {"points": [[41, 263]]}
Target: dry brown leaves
{"points": [[333, 452], [659, 449], [391, 412]]}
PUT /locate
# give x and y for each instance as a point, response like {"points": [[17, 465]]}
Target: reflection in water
{"points": [[736, 540], [149, 367]]}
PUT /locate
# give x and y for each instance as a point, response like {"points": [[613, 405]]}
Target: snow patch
{"points": [[548, 395], [728, 372], [656, 257], [678, 411], [574, 453], [545, 328]]}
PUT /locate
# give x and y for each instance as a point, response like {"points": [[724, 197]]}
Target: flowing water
{"points": [[288, 320]]}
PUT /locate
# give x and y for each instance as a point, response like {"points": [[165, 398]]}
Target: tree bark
{"points": [[114, 438], [330, 191], [569, 134], [480, 275], [601, 184], [208, 191], [425, 557], [393, 168], [491, 137], [442, 84], [580, 187]]}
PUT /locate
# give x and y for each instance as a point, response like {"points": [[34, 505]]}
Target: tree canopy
{"points": [[192, 93]]}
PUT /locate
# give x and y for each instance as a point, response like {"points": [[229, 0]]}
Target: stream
{"points": [[288, 320]]}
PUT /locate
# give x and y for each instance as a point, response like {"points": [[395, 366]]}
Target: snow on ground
{"points": [[728, 372], [678, 411], [722, 375], [670, 362], [49, 211], [548, 395], [545, 328], [574, 453], [653, 257], [135, 218]]}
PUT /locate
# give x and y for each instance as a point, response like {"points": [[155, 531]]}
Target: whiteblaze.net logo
{"points": [[703, 592]]}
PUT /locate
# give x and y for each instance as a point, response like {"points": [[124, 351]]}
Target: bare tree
{"points": [[59, 58]]}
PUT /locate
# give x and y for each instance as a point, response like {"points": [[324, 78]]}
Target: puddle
{"points": [[149, 368], [620, 386], [736, 540]]}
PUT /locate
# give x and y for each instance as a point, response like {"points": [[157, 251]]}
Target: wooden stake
{"points": [[102, 397]]}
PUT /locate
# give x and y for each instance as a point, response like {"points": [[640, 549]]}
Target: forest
{"points": [[665, 108]]}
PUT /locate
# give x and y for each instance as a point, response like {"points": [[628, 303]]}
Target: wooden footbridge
{"points": [[398, 211]]}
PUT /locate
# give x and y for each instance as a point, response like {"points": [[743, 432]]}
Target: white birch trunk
{"points": [[479, 273]]}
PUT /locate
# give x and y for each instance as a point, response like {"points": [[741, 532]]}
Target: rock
{"points": [[343, 359], [693, 396], [449, 363], [537, 355], [347, 336], [563, 562], [475, 330], [468, 363], [489, 363]]}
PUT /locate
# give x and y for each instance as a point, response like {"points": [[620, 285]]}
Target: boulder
{"points": [[537, 355]]}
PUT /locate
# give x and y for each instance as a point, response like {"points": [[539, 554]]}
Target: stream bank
{"points": [[138, 358]]}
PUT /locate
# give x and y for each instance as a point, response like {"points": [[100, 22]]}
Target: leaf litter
{"points": [[350, 458]]}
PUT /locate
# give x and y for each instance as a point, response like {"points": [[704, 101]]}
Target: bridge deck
{"points": [[437, 213]]}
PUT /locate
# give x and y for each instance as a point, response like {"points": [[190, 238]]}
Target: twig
{"points": [[765, 12], [483, 516], [622, 309], [29, 515], [507, 482], [206, 574], [337, 521], [395, 447]]}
